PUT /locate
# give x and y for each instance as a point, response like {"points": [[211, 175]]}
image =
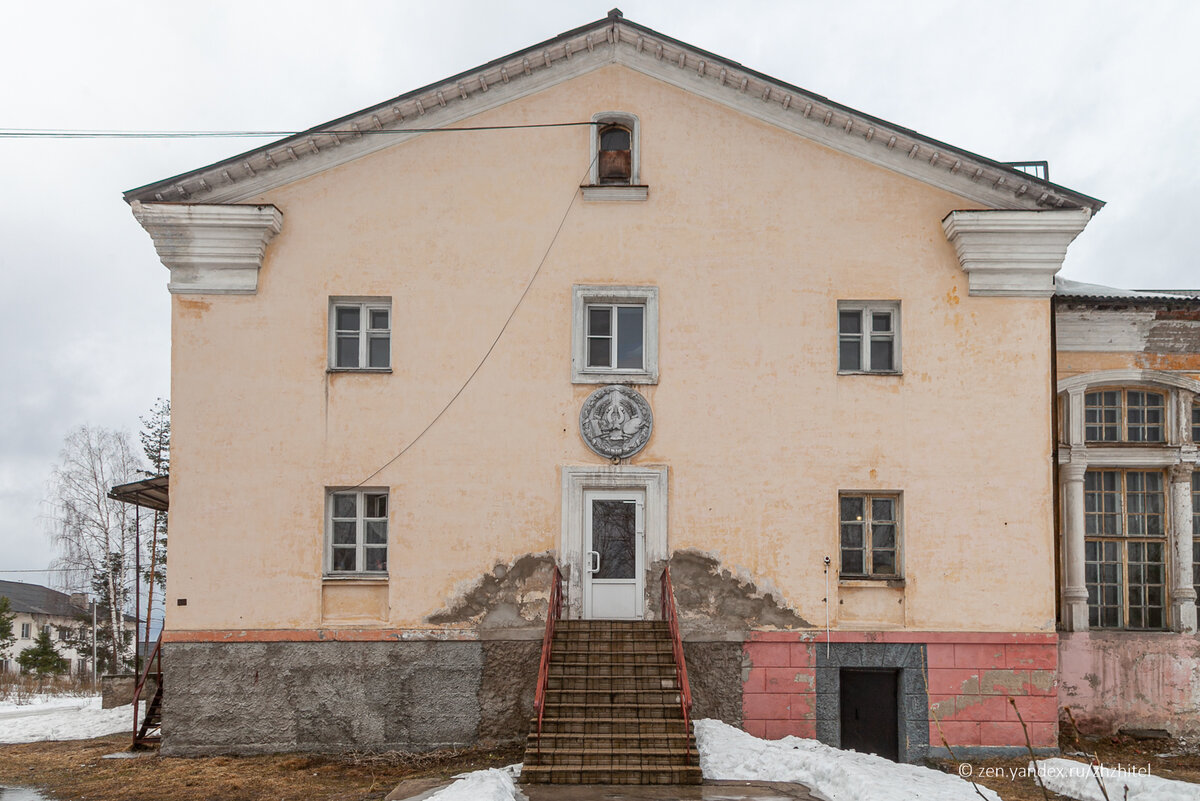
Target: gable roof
{"points": [[34, 599], [610, 40]]}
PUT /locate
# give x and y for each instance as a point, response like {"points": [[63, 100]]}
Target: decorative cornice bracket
{"points": [[210, 249], [1013, 253]]}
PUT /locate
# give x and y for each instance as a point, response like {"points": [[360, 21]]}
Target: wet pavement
{"points": [[21, 794]]}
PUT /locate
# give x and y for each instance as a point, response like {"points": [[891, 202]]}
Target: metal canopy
{"points": [[149, 493]]}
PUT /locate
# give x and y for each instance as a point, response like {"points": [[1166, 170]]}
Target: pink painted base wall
{"points": [[1142, 680], [970, 679]]}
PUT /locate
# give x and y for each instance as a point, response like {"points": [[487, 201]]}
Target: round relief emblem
{"points": [[615, 421]]}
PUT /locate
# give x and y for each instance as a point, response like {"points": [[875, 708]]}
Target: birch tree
{"points": [[155, 437], [94, 534]]}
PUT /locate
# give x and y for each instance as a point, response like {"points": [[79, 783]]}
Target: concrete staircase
{"points": [[612, 709]]}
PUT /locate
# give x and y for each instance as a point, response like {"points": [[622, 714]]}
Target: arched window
{"points": [[616, 155]]}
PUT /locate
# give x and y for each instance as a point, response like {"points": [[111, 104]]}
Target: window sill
{"points": [[614, 378], [870, 582], [615, 192], [358, 370], [870, 372], [368, 578]]}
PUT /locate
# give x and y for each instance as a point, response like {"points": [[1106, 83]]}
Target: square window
{"points": [[614, 335], [360, 334], [868, 336], [356, 531], [870, 535]]}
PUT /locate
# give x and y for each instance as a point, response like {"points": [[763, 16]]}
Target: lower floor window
{"points": [[1126, 584], [357, 531], [870, 536]]}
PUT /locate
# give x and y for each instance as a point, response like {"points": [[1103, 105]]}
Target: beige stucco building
{"points": [[394, 350]]}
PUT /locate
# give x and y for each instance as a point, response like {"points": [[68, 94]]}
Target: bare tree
{"points": [[94, 534]]}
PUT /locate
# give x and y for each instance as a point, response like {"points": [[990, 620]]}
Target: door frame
{"points": [[651, 481], [638, 498]]}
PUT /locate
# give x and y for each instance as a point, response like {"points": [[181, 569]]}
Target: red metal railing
{"points": [[153, 664], [553, 615], [671, 616]]}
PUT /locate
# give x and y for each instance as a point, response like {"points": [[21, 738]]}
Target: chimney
{"points": [[79, 599]]}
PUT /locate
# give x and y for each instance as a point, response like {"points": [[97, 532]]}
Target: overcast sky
{"points": [[1105, 91]]}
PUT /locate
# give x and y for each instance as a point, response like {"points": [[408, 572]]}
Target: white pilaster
{"points": [[1075, 596], [210, 249], [1013, 253], [1183, 594]]}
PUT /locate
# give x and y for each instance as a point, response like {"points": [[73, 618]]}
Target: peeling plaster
{"points": [[513, 595], [714, 598]]}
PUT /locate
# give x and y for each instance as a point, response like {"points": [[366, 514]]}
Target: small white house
{"points": [[36, 608]]}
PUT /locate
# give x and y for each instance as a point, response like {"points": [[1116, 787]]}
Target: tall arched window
{"points": [[616, 155]]}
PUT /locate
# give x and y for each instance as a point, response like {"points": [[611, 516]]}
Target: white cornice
{"points": [[606, 42], [1132, 376], [211, 249], [1013, 253]]}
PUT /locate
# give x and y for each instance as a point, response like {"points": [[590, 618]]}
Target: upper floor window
{"points": [[357, 531], [616, 155], [870, 535], [615, 158], [1196, 423], [868, 336], [1124, 415], [614, 335], [25, 631], [360, 334]]}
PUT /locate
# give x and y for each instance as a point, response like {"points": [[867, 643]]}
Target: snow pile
{"points": [[1076, 780], [42, 701], [481, 785], [62, 719], [730, 753]]}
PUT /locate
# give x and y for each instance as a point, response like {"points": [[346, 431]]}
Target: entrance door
{"points": [[869, 712], [614, 546]]}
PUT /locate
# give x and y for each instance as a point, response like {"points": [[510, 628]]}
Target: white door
{"points": [[614, 553]]}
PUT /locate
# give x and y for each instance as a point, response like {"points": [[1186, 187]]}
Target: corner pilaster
{"points": [[1183, 593], [210, 249], [1013, 253], [1074, 594]]}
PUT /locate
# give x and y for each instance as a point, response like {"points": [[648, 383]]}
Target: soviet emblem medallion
{"points": [[615, 422]]}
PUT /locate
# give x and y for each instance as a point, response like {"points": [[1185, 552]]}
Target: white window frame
{"points": [[26, 631], [359, 531], [626, 120], [585, 295], [866, 308], [365, 306]]}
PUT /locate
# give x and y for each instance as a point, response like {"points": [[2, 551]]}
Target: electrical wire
{"points": [[63, 133], [496, 341]]}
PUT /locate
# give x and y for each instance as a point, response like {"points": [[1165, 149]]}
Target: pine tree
{"points": [[42, 658], [155, 437], [7, 638]]}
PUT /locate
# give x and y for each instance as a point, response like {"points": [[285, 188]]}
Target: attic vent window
{"points": [[616, 155], [615, 160]]}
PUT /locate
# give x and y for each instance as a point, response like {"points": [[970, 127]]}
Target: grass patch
{"points": [[74, 769]]}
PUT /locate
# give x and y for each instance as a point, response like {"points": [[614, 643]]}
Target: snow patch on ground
{"points": [[1076, 780], [59, 718], [44, 701], [480, 785], [730, 753]]}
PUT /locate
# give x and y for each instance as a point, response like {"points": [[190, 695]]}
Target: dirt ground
{"points": [[75, 770], [1167, 759]]}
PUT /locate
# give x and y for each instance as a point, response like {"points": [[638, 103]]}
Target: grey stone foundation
{"points": [[248, 698], [715, 676]]}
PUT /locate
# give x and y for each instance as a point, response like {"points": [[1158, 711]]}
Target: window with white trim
{"points": [[356, 539], [25, 627], [1125, 546], [870, 535], [1124, 415], [868, 336], [1196, 423], [614, 149], [360, 334], [614, 335]]}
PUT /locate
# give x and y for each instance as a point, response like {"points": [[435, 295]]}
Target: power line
{"points": [[496, 341], [64, 133]]}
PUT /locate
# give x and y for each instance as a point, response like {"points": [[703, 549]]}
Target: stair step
{"points": [[570, 774]]}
